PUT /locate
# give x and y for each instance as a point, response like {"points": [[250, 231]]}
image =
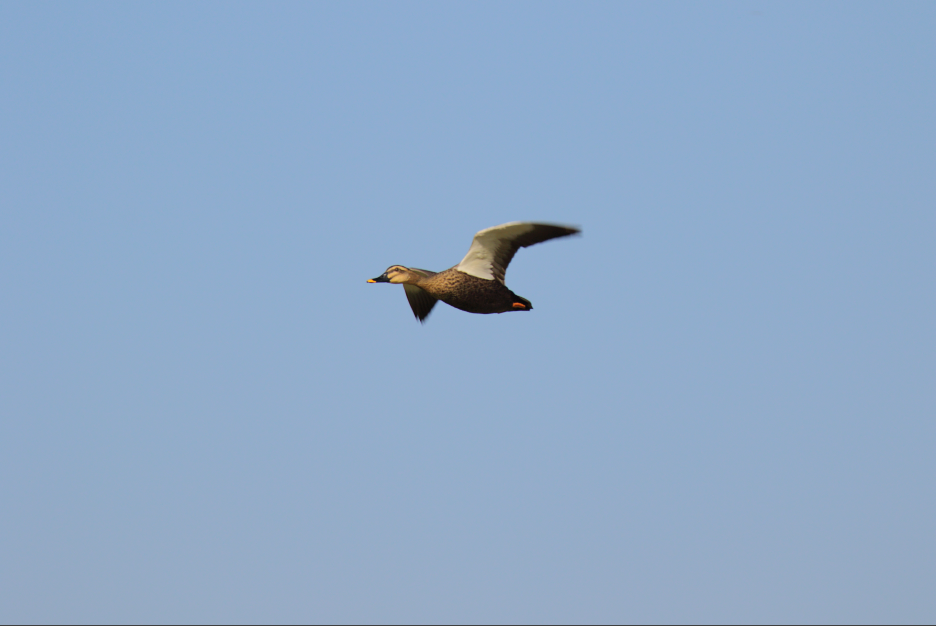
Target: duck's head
{"points": [[397, 274]]}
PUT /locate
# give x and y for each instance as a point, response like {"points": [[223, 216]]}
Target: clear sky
{"points": [[721, 409]]}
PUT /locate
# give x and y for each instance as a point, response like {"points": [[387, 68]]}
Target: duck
{"points": [[476, 284]]}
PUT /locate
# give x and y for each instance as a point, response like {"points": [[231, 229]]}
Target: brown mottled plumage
{"points": [[475, 285]]}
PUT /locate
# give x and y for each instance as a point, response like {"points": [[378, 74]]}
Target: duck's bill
{"points": [[380, 279]]}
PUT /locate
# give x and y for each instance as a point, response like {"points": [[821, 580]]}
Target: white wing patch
{"points": [[480, 258]]}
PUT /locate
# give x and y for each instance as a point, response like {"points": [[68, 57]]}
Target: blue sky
{"points": [[720, 410]]}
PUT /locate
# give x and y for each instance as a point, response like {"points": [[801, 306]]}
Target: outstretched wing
{"points": [[493, 248], [419, 300]]}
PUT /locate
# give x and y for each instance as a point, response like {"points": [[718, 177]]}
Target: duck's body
{"points": [[469, 293], [475, 285]]}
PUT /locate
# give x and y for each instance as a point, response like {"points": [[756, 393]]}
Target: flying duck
{"points": [[475, 285]]}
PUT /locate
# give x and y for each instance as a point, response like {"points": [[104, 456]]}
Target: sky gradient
{"points": [[721, 408]]}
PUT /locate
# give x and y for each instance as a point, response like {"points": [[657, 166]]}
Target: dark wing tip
{"points": [[545, 232], [538, 234]]}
